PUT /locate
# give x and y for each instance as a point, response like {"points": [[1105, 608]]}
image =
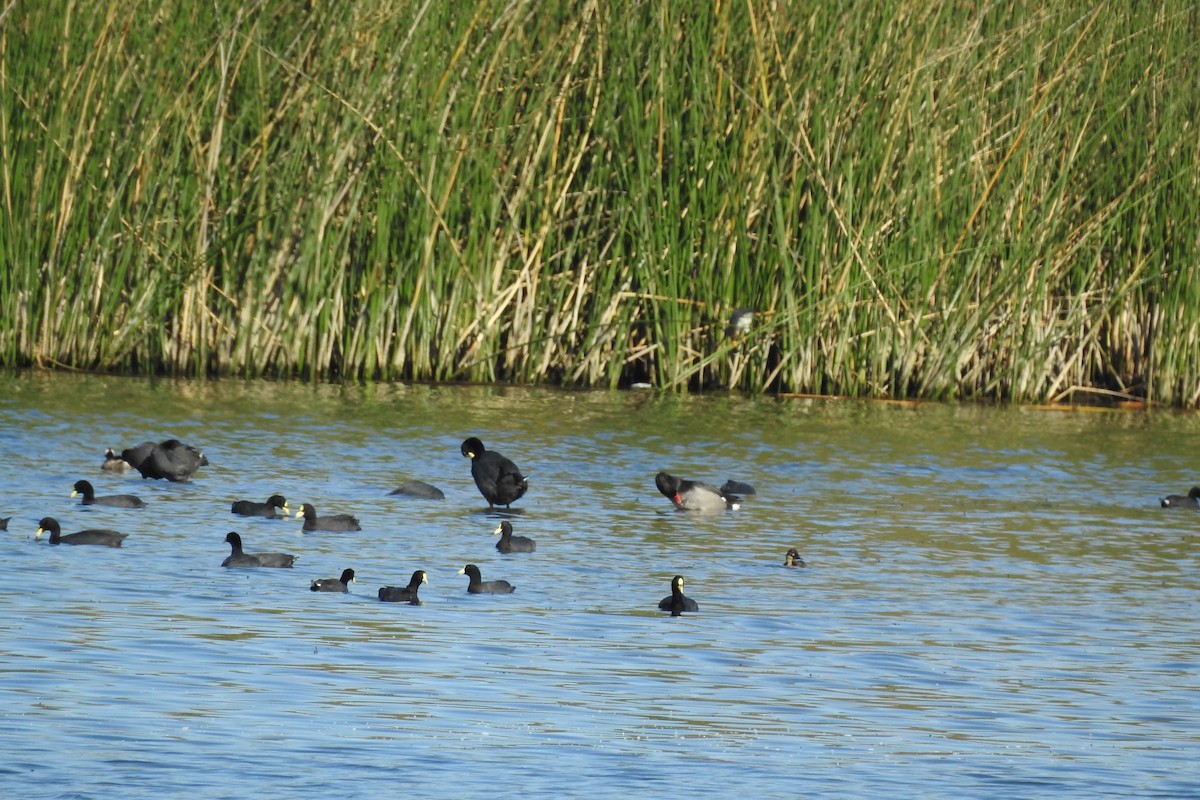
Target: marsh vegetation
{"points": [[919, 199]]}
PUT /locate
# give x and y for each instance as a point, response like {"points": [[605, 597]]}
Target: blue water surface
{"points": [[995, 603]]}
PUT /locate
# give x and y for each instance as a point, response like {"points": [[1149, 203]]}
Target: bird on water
{"points": [[275, 507], [498, 479], [237, 558], [1189, 500], [85, 489], [405, 594], [676, 602], [695, 495], [333, 522], [341, 584], [99, 536], [170, 459], [477, 585], [512, 544]]}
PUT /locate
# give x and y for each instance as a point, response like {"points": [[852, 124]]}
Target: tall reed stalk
{"points": [[939, 200]]}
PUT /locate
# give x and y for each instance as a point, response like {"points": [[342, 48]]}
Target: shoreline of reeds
{"points": [[928, 201]]}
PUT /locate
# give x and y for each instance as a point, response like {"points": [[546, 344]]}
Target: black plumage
{"points": [[731, 487], [101, 536], [341, 584], [513, 544], [676, 602], [405, 594], [498, 479], [85, 489], [477, 585], [274, 508], [238, 558], [419, 489], [334, 522], [170, 459], [1189, 500]]}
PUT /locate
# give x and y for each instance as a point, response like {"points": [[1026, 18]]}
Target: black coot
{"points": [[275, 507], [170, 459], [676, 603], [341, 584], [405, 594], [479, 586], [102, 537], [334, 522], [240, 559], [419, 489], [1189, 500], [115, 500], [498, 479], [513, 544]]}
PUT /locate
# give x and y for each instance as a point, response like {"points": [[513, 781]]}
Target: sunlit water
{"points": [[995, 606]]}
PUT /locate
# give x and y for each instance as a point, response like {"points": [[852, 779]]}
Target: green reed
{"points": [[920, 200]]}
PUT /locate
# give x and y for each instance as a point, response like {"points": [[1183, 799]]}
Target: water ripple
{"points": [[981, 616]]}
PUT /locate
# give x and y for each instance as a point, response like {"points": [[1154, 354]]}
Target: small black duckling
{"points": [[334, 522], [419, 489], [512, 544], [1189, 500], [115, 500], [239, 559], [114, 463], [405, 594], [675, 602], [792, 558], [695, 495], [4, 523], [479, 586], [341, 584], [102, 537], [276, 507], [498, 479]]}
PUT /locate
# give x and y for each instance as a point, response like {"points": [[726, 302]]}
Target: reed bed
{"points": [[931, 200]]}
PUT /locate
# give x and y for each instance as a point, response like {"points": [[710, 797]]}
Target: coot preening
{"points": [[102, 537], [405, 594], [695, 495], [170, 459], [479, 586], [498, 479], [275, 507], [115, 500], [334, 522], [675, 602], [240, 559], [341, 584]]}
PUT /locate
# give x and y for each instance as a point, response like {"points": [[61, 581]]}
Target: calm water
{"points": [[995, 604]]}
